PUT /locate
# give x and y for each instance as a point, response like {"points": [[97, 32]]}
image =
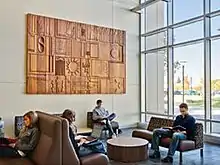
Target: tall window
{"points": [[153, 46], [181, 61], [189, 78], [215, 85]]}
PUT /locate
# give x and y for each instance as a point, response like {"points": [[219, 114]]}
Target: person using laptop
{"points": [[27, 140], [183, 128], [84, 146]]}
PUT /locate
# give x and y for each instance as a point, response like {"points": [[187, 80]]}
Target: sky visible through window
{"points": [[193, 55]]}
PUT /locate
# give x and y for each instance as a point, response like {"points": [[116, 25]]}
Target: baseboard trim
{"points": [[212, 138], [129, 126]]}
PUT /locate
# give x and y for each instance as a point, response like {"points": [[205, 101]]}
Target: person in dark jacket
{"points": [[27, 140], [80, 150], [185, 125]]}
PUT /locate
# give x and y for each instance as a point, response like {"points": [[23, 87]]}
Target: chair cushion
{"points": [[185, 145], [16, 161], [94, 159], [145, 134]]}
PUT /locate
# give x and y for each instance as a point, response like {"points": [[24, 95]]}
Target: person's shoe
{"points": [[155, 155], [167, 159], [114, 136]]}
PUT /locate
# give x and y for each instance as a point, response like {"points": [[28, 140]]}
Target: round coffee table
{"points": [[127, 149]]}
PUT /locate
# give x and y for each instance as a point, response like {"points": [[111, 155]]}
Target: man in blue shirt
{"points": [[185, 125]]}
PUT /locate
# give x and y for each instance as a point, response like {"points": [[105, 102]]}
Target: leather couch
{"points": [[48, 150], [69, 154], [67, 151], [185, 145], [18, 124]]}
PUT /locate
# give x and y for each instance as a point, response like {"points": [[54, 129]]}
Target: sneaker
{"points": [[167, 159], [114, 136], [155, 155]]}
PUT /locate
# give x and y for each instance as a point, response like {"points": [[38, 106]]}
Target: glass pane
{"points": [[186, 9], [155, 82], [156, 15], [215, 128], [215, 5], [143, 43], [215, 79], [143, 118], [165, 84], [215, 25], [182, 34], [143, 21], [149, 116], [142, 82], [156, 41], [188, 78]]}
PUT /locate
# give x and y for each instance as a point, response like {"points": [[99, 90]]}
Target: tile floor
{"points": [[211, 156]]}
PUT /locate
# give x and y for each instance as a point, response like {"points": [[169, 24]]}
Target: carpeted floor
{"points": [[211, 156]]}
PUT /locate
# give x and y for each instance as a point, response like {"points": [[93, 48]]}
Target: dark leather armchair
{"points": [[185, 145]]}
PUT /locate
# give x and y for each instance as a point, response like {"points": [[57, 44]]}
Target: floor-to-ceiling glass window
{"points": [[215, 73], [153, 46], [181, 56], [215, 84]]}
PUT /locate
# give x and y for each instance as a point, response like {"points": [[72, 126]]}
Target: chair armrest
{"points": [[199, 136]]}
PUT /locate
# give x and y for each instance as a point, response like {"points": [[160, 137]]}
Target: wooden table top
{"points": [[127, 142]]}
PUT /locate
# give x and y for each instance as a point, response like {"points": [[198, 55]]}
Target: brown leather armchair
{"points": [[48, 150], [69, 154]]}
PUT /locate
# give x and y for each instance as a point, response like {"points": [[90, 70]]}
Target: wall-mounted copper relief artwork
{"points": [[66, 57]]}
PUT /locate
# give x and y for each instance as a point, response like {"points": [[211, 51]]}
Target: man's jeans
{"points": [[109, 126], [108, 123], [160, 133], [84, 151]]}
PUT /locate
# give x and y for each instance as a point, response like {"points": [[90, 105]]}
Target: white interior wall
{"points": [[13, 100]]}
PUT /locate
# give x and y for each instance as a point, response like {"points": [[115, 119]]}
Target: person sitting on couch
{"points": [[73, 125], [183, 128], [27, 140], [80, 148], [100, 114]]}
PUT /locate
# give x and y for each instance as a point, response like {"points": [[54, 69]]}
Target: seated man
{"points": [[183, 128], [102, 115]]}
